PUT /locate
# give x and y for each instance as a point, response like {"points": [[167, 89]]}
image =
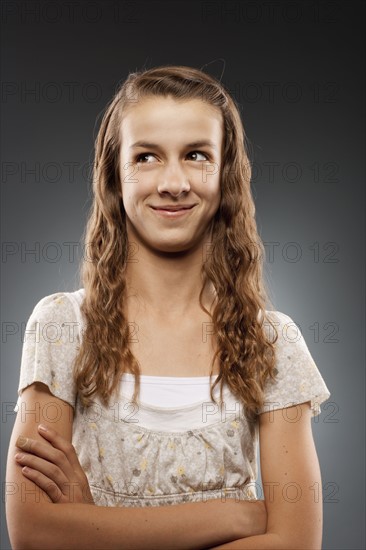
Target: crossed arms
{"points": [[290, 519]]}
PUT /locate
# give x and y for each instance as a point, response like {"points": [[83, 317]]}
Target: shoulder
{"points": [[55, 317], [297, 377], [291, 349], [51, 344], [280, 319], [289, 335], [59, 305]]}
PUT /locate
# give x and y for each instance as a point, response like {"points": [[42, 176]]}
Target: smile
{"points": [[166, 213]]}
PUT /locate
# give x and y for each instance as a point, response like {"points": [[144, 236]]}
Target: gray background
{"points": [[296, 68]]}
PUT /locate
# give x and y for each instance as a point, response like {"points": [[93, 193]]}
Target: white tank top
{"points": [[169, 391]]}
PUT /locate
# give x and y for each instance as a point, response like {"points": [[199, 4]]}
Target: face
{"points": [[170, 168]]}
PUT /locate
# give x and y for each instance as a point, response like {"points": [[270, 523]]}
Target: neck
{"points": [[168, 284]]}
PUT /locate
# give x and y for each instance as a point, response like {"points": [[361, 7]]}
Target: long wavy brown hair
{"points": [[234, 266]]}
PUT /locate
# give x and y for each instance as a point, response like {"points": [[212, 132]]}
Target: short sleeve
{"points": [[50, 345], [298, 379]]}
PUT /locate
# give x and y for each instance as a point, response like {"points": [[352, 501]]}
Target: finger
{"points": [[62, 444], [46, 484], [48, 452], [44, 467]]}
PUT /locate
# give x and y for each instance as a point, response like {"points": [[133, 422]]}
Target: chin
{"points": [[172, 249]]}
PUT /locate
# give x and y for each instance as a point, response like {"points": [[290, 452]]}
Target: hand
{"points": [[55, 469]]}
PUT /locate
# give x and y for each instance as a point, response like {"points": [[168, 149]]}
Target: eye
{"points": [[143, 155], [199, 153]]}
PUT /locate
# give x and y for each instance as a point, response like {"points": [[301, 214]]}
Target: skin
{"points": [[166, 276]]}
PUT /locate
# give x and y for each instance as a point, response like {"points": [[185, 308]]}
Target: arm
{"points": [[290, 472], [34, 521]]}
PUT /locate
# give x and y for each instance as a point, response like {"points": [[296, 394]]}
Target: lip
{"points": [[174, 207], [165, 213]]}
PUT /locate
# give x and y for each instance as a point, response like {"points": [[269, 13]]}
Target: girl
{"points": [[141, 448]]}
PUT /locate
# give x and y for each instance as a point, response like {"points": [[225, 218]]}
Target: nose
{"points": [[173, 180]]}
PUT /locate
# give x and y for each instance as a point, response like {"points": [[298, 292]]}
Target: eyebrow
{"points": [[149, 145]]}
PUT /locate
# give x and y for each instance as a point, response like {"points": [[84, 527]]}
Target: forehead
{"points": [[156, 117]]}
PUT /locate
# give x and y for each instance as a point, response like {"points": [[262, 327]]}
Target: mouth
{"points": [[174, 208], [173, 211]]}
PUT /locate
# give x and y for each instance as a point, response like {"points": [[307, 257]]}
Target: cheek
{"points": [[138, 185], [213, 194], [134, 201]]}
